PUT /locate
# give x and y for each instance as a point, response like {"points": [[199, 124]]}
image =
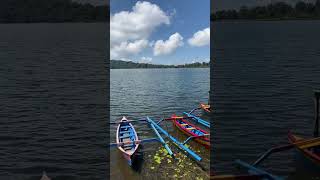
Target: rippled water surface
{"points": [[53, 101], [263, 78], [157, 93]]}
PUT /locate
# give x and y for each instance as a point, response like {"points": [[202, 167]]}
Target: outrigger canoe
{"points": [[127, 139], [199, 135], [310, 154], [205, 107]]}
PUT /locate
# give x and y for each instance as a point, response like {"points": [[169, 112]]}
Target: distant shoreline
{"points": [[275, 11], [271, 19], [67, 22], [167, 68], [119, 64]]}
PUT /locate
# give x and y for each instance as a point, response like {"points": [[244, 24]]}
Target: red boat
{"points": [[199, 135]]}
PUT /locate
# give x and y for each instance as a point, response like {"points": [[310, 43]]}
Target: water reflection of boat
{"points": [[307, 153], [308, 150]]}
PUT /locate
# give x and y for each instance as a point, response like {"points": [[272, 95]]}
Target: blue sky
{"points": [[160, 32]]}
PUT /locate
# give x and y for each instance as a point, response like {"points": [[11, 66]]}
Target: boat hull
{"points": [[205, 141], [307, 157], [127, 135]]}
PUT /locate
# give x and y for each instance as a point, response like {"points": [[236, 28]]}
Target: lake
{"points": [[157, 93], [53, 110], [263, 78]]}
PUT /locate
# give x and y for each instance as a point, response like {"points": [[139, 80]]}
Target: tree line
{"points": [[118, 64], [27, 11], [278, 10]]}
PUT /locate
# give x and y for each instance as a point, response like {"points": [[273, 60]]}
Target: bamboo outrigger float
{"points": [[174, 140]]}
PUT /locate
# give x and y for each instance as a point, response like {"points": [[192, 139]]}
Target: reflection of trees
{"points": [[279, 10], [12, 11]]}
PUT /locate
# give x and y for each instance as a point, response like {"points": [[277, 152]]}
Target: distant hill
{"points": [[35, 11], [118, 64]]}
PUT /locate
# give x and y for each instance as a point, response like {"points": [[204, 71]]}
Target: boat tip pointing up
{"points": [[44, 176]]}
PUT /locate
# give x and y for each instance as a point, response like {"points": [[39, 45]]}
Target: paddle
{"points": [[301, 144]]}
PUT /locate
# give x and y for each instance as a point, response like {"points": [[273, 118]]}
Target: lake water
{"points": [[263, 78], [53, 110], [157, 93]]}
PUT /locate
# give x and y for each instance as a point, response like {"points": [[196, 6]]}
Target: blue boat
{"points": [[127, 139]]}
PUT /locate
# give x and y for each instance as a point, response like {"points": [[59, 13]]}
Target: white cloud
{"points": [[200, 38], [138, 24], [125, 48], [145, 60], [167, 47]]}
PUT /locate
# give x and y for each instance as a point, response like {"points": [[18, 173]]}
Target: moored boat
{"points": [[205, 107], [201, 136], [127, 139], [310, 156]]}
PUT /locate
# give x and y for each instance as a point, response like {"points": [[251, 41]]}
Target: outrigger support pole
{"points": [[191, 137], [179, 144], [194, 110], [197, 119], [162, 141]]}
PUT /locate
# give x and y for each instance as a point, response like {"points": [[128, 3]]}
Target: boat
{"points": [[44, 176], [127, 139], [308, 150], [310, 155], [205, 107], [199, 135]]}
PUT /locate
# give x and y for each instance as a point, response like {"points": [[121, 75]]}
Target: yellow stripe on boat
{"points": [[191, 128]]}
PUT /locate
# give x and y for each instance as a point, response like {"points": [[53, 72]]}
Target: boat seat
{"points": [[183, 124], [191, 128], [125, 136], [128, 145], [122, 132], [127, 148], [125, 126]]}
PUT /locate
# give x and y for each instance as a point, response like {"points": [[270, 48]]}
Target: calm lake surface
{"points": [[263, 78], [53, 110], [157, 93]]}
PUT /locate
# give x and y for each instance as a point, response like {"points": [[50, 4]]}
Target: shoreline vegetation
{"points": [[119, 64], [53, 11], [277, 11]]}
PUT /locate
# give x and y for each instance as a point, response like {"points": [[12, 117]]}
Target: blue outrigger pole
{"points": [[179, 144], [162, 141], [197, 119]]}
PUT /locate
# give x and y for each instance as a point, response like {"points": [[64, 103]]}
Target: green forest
{"points": [[118, 64], [32, 11], [273, 11]]}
